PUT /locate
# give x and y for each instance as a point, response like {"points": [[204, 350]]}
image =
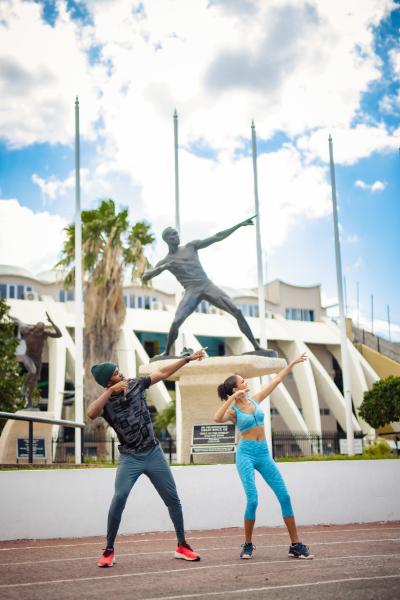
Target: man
{"points": [[184, 263], [123, 405], [35, 337]]}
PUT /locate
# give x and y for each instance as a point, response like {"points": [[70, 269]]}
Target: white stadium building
{"points": [[310, 399]]}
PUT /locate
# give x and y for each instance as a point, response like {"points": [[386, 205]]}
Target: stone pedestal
{"points": [[20, 429], [197, 399]]}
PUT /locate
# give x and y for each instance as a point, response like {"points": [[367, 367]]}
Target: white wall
{"points": [[74, 503]]}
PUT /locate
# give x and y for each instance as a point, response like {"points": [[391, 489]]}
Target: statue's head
{"points": [[40, 326], [171, 236]]}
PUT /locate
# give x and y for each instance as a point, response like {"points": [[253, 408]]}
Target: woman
{"points": [[253, 455]]}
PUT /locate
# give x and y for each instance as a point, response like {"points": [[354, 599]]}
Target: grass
{"points": [[336, 457], [109, 465]]}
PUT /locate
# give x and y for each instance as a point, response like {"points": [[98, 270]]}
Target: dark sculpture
{"points": [[184, 263], [34, 336]]}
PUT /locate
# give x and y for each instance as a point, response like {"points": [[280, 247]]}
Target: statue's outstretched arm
{"points": [[159, 268], [22, 327], [53, 334], [221, 235]]}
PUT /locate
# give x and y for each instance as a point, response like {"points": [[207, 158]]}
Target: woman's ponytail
{"points": [[225, 389]]}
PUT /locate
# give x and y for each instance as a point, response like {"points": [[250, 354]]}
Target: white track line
{"points": [[277, 587], [101, 578], [74, 558], [202, 537]]}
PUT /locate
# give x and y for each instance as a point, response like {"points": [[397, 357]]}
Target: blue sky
{"points": [[300, 70]]}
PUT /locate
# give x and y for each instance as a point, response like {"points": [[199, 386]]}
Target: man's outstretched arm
{"points": [[221, 235], [167, 371]]}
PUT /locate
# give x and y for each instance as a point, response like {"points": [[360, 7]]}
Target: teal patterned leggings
{"points": [[153, 464], [254, 456]]}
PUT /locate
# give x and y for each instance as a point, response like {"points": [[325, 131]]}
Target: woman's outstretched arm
{"points": [[268, 389]]}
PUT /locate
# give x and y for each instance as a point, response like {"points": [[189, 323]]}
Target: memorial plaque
{"points": [[220, 437], [38, 448]]}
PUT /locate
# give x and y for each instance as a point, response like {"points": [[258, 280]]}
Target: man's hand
{"points": [[120, 386], [248, 221], [199, 355]]}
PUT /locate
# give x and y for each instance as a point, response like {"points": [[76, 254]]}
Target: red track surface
{"points": [[351, 562]]}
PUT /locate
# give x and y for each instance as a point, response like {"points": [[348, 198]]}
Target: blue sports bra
{"points": [[246, 421]]}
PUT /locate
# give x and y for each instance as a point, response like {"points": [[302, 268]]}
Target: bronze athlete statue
{"points": [[184, 263], [34, 336]]}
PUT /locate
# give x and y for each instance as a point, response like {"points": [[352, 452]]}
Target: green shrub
{"points": [[378, 448]]}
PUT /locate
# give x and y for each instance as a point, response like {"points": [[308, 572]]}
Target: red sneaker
{"points": [[184, 551], [107, 559]]}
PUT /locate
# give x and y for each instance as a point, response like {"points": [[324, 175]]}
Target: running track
{"points": [[351, 562]]}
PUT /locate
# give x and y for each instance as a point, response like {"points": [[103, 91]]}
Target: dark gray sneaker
{"points": [[300, 550], [247, 550]]}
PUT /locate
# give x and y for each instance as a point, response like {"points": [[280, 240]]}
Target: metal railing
{"points": [[97, 448], [376, 342], [32, 420], [299, 444]]}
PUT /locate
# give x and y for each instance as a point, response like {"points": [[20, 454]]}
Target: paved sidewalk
{"points": [[351, 562]]}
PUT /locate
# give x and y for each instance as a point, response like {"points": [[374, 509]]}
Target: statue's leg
{"points": [[31, 378], [221, 300], [185, 308]]}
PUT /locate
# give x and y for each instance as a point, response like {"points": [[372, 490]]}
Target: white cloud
{"points": [[30, 240], [377, 186], [390, 104], [53, 187], [349, 144], [353, 238], [158, 59], [216, 195], [394, 56], [172, 54], [42, 69]]}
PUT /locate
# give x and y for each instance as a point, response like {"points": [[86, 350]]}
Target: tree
{"points": [[381, 404], [109, 246], [166, 418], [11, 379]]}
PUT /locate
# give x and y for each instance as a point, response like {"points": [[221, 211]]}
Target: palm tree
{"points": [[109, 246]]}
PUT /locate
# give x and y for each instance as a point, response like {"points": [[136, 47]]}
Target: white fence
{"points": [[74, 502]]}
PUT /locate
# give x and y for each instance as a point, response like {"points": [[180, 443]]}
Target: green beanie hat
{"points": [[102, 372]]}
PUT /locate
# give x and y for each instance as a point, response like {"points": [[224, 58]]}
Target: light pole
{"points": [[260, 277], [177, 214], [78, 293], [342, 318]]}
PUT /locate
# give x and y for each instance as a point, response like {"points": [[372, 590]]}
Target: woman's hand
{"points": [[236, 395], [299, 359], [120, 386]]}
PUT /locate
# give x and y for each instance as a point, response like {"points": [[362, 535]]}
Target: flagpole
{"points": [[177, 213], [342, 319], [358, 305], [78, 294], [260, 277], [372, 313], [179, 342]]}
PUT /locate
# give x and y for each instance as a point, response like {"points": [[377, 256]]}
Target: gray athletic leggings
{"points": [[153, 464]]}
